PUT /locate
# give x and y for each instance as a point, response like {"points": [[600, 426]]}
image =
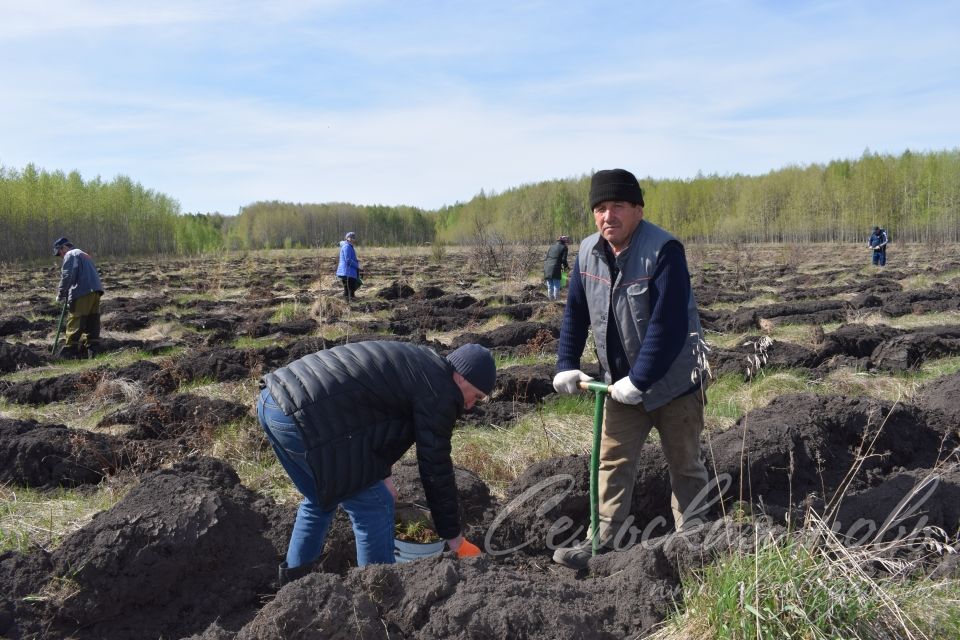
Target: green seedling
{"points": [[418, 530]]}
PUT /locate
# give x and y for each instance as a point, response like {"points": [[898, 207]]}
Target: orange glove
{"points": [[467, 549]]}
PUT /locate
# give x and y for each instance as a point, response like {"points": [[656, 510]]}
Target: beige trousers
{"points": [[625, 429], [83, 322]]}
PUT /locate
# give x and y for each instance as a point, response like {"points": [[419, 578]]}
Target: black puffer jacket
{"points": [[360, 406]]}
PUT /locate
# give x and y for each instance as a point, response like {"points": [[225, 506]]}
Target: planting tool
{"points": [[600, 390], [56, 340]]}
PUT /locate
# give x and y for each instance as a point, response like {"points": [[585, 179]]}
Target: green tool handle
{"points": [[56, 340], [595, 386], [600, 390]]}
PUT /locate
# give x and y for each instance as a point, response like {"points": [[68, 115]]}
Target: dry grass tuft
{"points": [[499, 455]]}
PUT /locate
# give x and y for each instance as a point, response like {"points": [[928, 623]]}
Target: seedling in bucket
{"points": [[419, 530], [414, 536]]}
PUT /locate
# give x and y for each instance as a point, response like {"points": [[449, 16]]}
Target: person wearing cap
{"points": [[81, 290], [631, 286], [348, 267], [554, 264], [878, 244], [338, 419]]}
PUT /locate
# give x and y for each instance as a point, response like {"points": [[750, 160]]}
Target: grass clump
{"points": [[32, 519], [809, 587], [562, 426], [244, 446], [730, 396], [288, 312]]}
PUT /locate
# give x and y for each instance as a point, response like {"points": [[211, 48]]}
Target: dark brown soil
{"points": [[190, 552]]}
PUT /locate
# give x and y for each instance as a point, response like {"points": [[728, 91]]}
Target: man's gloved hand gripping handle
{"points": [[568, 381]]}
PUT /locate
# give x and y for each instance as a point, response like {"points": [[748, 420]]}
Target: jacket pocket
{"points": [[639, 300]]}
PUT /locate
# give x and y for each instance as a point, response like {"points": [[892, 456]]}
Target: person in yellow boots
{"points": [[81, 290], [338, 420]]}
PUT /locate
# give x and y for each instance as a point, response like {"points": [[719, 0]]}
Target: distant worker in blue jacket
{"points": [[81, 290], [631, 286], [878, 243], [348, 267]]}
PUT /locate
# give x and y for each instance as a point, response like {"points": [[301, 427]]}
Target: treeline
{"points": [[122, 218], [269, 225], [119, 217], [915, 196]]}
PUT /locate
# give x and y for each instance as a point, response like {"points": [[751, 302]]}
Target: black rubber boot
{"points": [[286, 574], [67, 352]]}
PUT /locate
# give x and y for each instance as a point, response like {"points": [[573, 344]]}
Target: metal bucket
{"points": [[406, 551]]}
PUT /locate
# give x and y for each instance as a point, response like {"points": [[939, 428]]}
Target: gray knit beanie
{"points": [[475, 363]]}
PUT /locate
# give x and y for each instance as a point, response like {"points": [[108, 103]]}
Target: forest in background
{"points": [[915, 196]]}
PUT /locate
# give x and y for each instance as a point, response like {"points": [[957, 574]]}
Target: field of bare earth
{"points": [[139, 498]]}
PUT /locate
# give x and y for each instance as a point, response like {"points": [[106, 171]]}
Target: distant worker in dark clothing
{"points": [[348, 267], [338, 420], [878, 243], [554, 264], [630, 284], [80, 288]]}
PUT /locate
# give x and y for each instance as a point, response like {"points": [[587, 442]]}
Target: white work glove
{"points": [[624, 392], [568, 381]]}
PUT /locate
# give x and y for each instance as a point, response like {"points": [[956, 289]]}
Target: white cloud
{"points": [[220, 104]]}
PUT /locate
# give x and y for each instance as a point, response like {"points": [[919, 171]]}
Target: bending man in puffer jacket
{"points": [[340, 418]]}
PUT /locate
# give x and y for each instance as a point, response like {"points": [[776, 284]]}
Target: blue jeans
{"points": [[370, 510], [880, 258], [553, 288]]}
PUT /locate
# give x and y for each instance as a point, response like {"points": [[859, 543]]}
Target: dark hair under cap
{"points": [[615, 184]]}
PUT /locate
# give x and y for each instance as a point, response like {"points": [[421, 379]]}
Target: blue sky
{"points": [[221, 104]]}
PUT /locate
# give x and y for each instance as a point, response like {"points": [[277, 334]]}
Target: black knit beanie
{"points": [[615, 184], [475, 363]]}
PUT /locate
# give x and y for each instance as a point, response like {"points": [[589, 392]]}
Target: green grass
{"points": [[562, 426], [30, 518], [503, 361], [729, 396], [186, 298], [788, 588], [247, 342], [192, 386], [112, 360], [243, 445], [935, 368], [290, 311], [926, 280]]}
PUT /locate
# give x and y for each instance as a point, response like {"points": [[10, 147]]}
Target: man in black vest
{"points": [[631, 286], [338, 419]]}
